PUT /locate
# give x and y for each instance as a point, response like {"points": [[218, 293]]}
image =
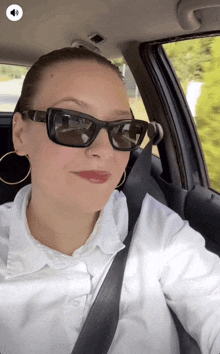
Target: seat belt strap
{"points": [[101, 323]]}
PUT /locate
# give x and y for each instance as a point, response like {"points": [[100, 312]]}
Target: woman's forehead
{"points": [[82, 75], [82, 79], [80, 69]]}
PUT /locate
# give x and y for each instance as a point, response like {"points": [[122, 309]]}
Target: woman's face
{"points": [[101, 93]]}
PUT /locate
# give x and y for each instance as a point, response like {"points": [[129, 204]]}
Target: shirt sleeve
{"points": [[190, 279]]}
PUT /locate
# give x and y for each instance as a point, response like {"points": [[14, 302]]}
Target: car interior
{"points": [[135, 31]]}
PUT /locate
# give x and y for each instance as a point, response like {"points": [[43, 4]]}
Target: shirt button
{"points": [[75, 302]]}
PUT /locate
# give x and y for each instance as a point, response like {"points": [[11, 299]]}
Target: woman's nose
{"points": [[101, 145]]}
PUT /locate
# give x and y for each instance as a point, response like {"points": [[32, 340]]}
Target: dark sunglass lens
{"points": [[73, 130], [127, 135]]}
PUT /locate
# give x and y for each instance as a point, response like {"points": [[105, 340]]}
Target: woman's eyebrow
{"points": [[86, 105]]}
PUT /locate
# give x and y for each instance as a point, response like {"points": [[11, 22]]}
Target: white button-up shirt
{"points": [[45, 296]]}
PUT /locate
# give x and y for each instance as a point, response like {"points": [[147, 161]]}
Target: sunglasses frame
{"points": [[48, 118]]}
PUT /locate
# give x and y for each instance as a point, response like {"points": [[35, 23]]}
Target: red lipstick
{"points": [[94, 176]]}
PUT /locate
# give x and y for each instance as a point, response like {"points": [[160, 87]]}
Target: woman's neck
{"points": [[60, 231]]}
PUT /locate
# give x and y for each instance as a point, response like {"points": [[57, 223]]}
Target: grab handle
{"points": [[186, 9]]}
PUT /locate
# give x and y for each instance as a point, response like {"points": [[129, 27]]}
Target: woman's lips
{"points": [[94, 176]]}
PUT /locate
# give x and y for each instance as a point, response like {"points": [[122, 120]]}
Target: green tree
{"points": [[12, 71], [118, 61], [189, 58], [208, 115]]}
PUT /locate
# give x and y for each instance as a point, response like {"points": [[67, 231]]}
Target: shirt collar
{"points": [[26, 255]]}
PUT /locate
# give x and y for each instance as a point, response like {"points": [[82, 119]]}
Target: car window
{"points": [[11, 79], [197, 65], [134, 96]]}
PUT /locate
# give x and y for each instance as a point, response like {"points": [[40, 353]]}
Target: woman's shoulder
{"points": [[156, 220], [160, 215], [158, 210], [152, 210], [14, 209], [5, 217], [158, 225], [166, 228], [5, 213]]}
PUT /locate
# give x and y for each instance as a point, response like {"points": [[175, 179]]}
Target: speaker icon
{"points": [[15, 12]]}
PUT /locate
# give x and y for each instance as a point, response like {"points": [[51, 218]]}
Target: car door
{"points": [[185, 179]]}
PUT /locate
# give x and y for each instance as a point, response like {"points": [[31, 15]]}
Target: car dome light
{"points": [[79, 43], [96, 38]]}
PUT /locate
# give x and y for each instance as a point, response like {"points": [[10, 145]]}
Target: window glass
{"points": [[197, 65], [11, 79], [134, 96]]}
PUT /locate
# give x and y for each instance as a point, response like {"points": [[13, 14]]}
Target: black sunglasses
{"points": [[77, 129]]}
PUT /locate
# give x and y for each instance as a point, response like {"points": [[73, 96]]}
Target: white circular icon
{"points": [[14, 12]]}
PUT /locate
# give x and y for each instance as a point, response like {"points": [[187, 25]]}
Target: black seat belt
{"points": [[100, 326]]}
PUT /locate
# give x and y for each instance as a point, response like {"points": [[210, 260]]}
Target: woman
{"points": [[60, 235]]}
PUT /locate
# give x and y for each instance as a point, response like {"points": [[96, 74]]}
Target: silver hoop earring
{"points": [[123, 180], [9, 172]]}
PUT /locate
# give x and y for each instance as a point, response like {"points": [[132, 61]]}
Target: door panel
{"points": [[202, 210]]}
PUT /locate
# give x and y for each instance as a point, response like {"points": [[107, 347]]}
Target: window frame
{"points": [[182, 149]]}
